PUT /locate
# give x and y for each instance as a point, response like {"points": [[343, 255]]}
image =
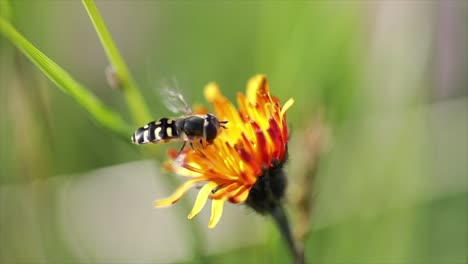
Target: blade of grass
{"points": [[104, 116], [135, 101], [5, 10]]}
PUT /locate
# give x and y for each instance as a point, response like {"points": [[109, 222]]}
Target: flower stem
{"points": [[281, 220]]}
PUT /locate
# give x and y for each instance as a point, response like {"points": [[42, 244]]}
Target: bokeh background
{"points": [[381, 86]]}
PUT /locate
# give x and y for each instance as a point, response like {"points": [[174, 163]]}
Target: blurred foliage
{"points": [[392, 185], [64, 81]]}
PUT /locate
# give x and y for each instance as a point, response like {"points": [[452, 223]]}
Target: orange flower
{"points": [[244, 164]]}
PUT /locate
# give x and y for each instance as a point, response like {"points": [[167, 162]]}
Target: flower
{"points": [[244, 164]]}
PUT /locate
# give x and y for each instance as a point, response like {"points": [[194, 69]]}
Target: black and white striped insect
{"points": [[188, 128]]}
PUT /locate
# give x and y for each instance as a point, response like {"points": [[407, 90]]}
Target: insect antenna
{"points": [[222, 124]]}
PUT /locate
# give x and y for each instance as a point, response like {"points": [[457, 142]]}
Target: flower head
{"points": [[244, 164]]}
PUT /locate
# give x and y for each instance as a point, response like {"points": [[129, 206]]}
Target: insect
{"points": [[188, 128]]}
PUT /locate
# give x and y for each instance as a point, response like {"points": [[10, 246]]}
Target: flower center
{"points": [[269, 188]]}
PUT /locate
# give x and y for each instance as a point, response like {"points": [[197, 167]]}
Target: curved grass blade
{"points": [[104, 116], [135, 101], [5, 10]]}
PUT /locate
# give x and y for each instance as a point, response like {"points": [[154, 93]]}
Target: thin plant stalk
{"points": [[135, 102]]}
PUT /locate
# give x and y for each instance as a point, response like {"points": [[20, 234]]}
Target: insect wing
{"points": [[174, 99]]}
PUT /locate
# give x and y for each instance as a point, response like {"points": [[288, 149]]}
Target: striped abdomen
{"points": [[162, 130]]}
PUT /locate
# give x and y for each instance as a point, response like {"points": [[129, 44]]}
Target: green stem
{"points": [[135, 101], [104, 116]]}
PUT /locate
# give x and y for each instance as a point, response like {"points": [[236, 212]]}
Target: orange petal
{"points": [[242, 103], [224, 110], [252, 162], [262, 147], [223, 191], [199, 109], [241, 195]]}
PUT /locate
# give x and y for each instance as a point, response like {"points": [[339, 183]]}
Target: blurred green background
{"points": [[389, 76]]}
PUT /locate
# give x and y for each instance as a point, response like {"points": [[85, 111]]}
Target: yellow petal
{"points": [[201, 198], [216, 212], [253, 85], [286, 106], [177, 169], [212, 92], [178, 193]]}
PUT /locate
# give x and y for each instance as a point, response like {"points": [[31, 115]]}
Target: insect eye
{"points": [[211, 131], [210, 117]]}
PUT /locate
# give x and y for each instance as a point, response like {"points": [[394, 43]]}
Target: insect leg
{"points": [[182, 148]]}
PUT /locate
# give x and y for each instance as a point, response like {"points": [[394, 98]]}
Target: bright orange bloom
{"points": [[253, 145]]}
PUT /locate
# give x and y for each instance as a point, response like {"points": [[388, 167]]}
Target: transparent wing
{"points": [[173, 98]]}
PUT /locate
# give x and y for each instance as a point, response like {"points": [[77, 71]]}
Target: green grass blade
{"points": [[5, 10], [135, 101], [66, 83]]}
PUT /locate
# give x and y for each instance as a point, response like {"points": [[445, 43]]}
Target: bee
{"points": [[187, 128]]}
